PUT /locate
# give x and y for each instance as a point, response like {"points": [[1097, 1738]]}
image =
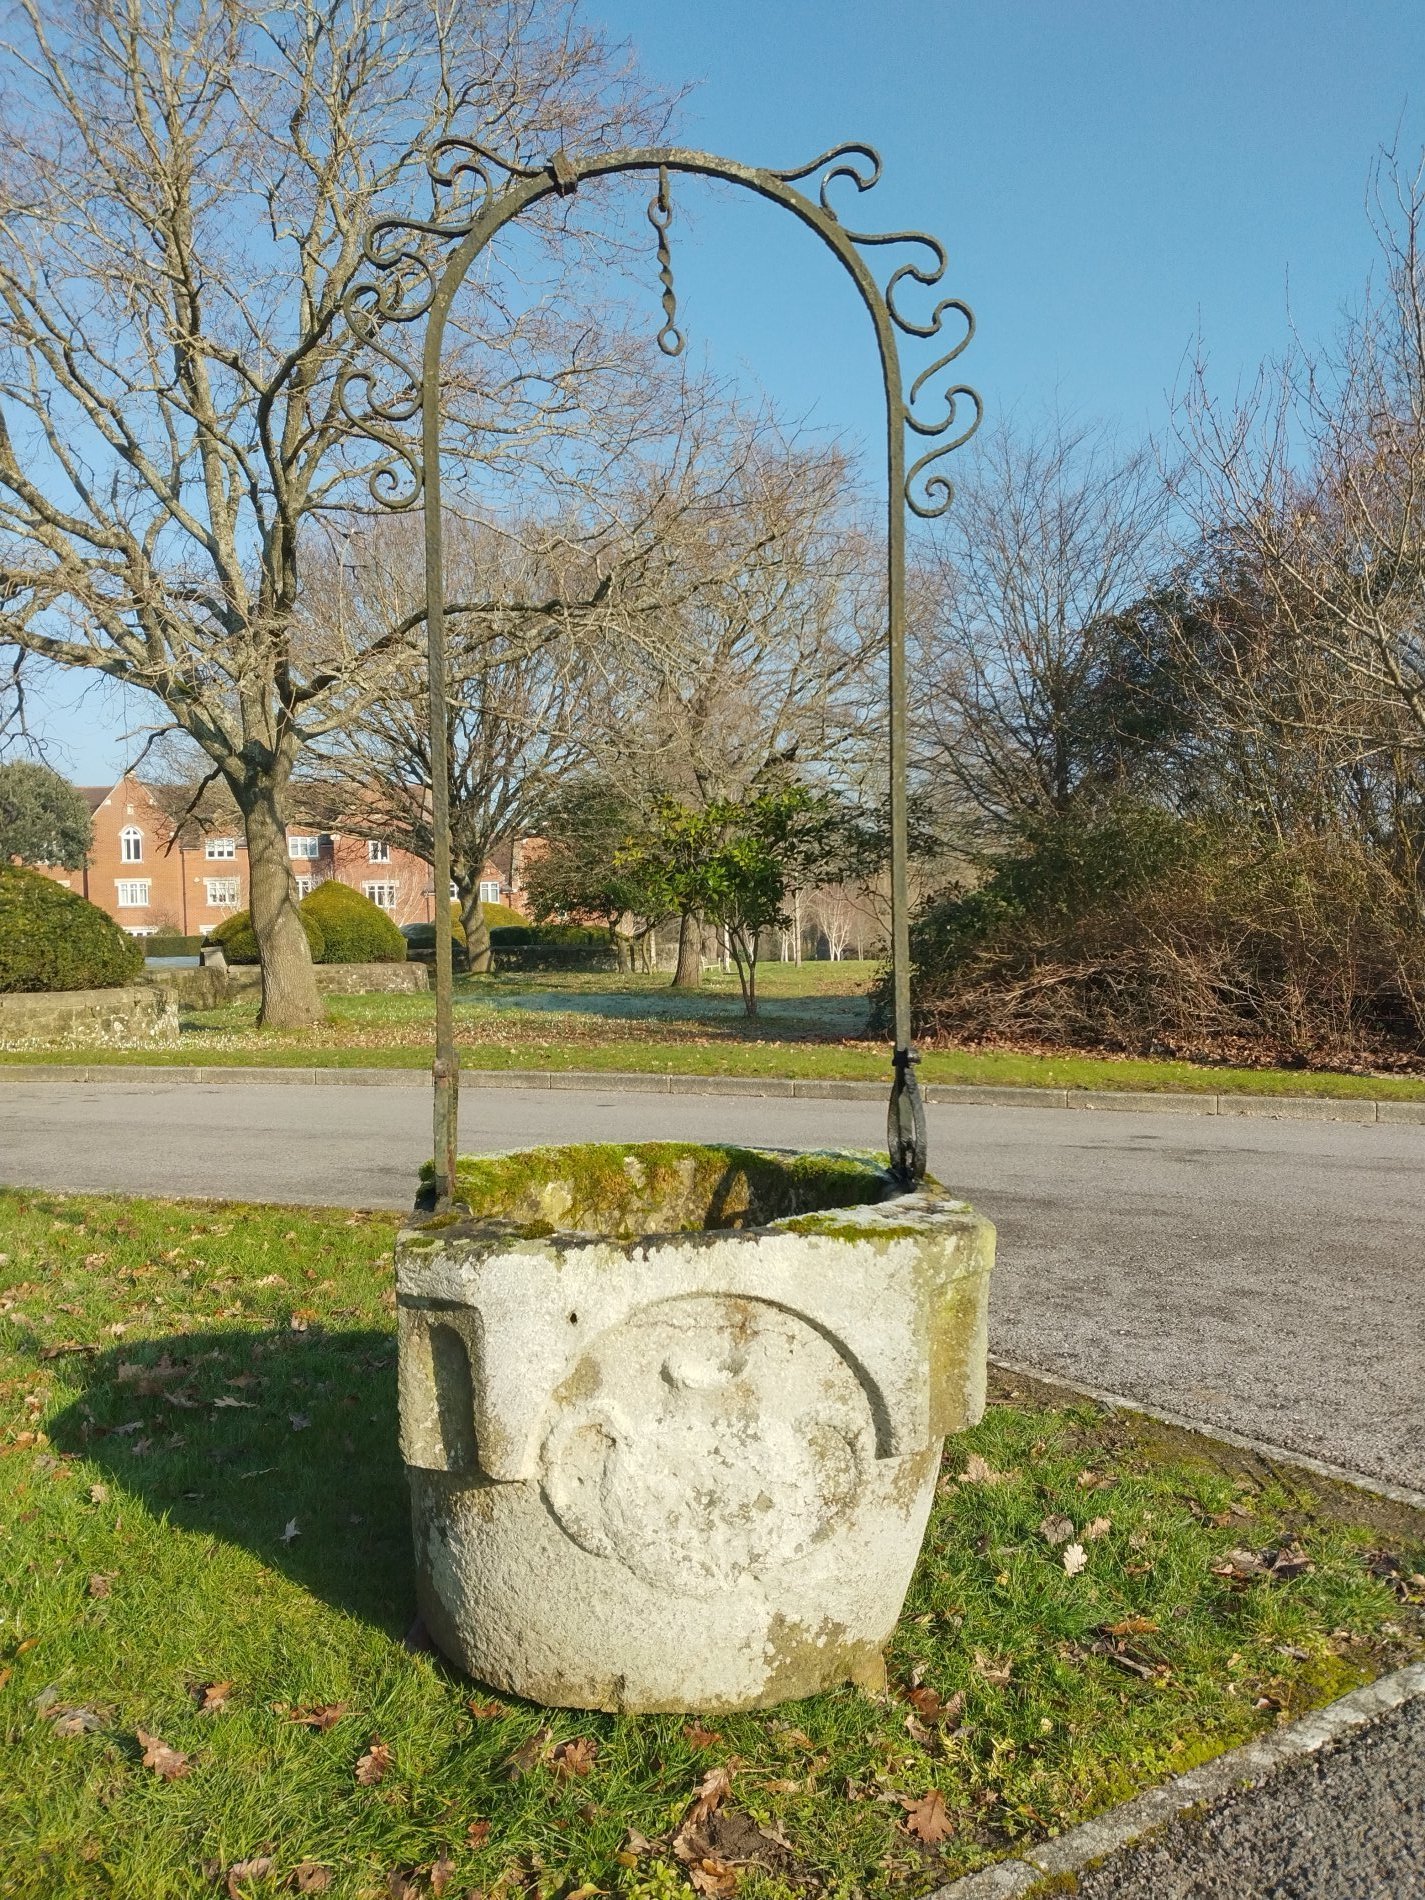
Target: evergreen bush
{"points": [[51, 938], [239, 941], [353, 928]]}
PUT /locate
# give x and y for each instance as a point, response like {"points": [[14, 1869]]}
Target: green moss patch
{"points": [[622, 1189]]}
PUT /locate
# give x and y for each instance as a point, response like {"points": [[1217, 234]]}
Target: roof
{"points": [[93, 795]]}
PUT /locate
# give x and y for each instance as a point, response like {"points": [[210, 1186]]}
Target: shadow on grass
{"points": [[283, 1444]]}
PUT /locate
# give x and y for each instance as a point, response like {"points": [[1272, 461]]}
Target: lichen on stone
{"points": [[620, 1189]]}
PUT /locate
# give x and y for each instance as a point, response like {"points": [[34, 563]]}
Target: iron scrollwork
{"points": [[416, 265]]}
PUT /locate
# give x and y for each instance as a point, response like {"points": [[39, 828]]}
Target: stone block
{"points": [[672, 1417], [132, 1016]]}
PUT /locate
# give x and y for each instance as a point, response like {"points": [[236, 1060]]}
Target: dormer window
{"points": [[131, 845]]}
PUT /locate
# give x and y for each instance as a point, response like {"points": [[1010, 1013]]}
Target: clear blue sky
{"points": [[1110, 177]]}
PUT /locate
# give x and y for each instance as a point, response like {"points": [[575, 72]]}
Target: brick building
{"points": [[148, 880]]}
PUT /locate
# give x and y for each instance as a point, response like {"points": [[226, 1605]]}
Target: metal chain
{"points": [[660, 216]]}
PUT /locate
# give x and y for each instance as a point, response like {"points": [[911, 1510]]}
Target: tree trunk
{"points": [[290, 999], [689, 973], [477, 932]]}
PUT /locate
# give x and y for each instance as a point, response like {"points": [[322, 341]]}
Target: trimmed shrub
{"points": [[167, 942], [499, 916], [354, 929], [239, 940], [420, 943], [54, 939], [552, 947]]}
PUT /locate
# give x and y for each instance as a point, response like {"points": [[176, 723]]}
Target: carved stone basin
{"points": [[672, 1416]]}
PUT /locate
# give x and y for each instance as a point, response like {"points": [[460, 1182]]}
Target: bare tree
{"points": [[183, 190], [1054, 533]]}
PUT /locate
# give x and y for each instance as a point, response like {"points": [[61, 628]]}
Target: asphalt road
{"points": [[1264, 1276], [1345, 1824]]}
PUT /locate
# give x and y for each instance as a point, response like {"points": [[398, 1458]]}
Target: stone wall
{"points": [[342, 979], [138, 1016]]}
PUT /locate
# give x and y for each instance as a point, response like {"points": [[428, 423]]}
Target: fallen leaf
{"points": [[440, 1873], [486, 1711], [300, 1421], [917, 1731], [927, 1818], [710, 1792], [713, 1876], [1075, 1559], [166, 1762], [527, 1755], [291, 1532], [372, 1766], [977, 1471], [214, 1697], [253, 1869], [309, 1876], [226, 1399], [98, 1493], [573, 1758], [1100, 1527], [1057, 1528], [321, 1716], [696, 1736], [996, 1670], [926, 1703], [401, 1885], [100, 1586], [69, 1722], [1131, 1626], [477, 1833]]}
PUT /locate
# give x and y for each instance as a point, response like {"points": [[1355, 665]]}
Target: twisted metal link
{"points": [[660, 216]]}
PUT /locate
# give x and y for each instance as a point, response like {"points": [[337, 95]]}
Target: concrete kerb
{"points": [[1241, 1768], [808, 1089]]}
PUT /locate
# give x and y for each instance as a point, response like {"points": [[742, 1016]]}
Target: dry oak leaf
{"points": [[996, 1670], [309, 1876], [100, 1586], [486, 1711], [709, 1794], [1100, 1527], [372, 1766], [1057, 1528], [977, 1471], [253, 1869], [1131, 1626], [1075, 1559], [167, 1762], [696, 1736], [321, 1717], [527, 1755], [927, 1818], [477, 1833], [291, 1531], [68, 1722], [713, 1876], [440, 1873], [574, 1758], [214, 1697]]}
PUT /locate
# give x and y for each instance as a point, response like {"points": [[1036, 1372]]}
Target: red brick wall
{"points": [[179, 885]]}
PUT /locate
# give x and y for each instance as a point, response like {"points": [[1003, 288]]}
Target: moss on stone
{"points": [[623, 1189]]}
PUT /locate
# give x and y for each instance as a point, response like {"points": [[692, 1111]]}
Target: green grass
{"points": [[200, 1485], [812, 1025]]}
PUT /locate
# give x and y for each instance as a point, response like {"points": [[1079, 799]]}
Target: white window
{"points": [[133, 892], [304, 887], [143, 930], [454, 890], [220, 848], [304, 847], [489, 890], [131, 846], [382, 895], [224, 893], [377, 851]]}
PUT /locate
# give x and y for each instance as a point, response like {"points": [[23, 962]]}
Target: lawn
{"points": [[204, 1685], [812, 1025]]}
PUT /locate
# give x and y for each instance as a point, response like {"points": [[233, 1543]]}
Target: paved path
{"points": [[1263, 1276]]}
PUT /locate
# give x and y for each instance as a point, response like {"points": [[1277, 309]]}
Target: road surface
{"points": [[1259, 1275]]}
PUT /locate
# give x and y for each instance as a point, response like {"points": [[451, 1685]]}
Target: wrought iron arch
{"points": [[419, 266]]}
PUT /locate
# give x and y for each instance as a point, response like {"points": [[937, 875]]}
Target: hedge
{"points": [[355, 929], [51, 938]]}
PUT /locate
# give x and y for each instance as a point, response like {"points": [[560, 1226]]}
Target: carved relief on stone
{"points": [[705, 1440]]}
